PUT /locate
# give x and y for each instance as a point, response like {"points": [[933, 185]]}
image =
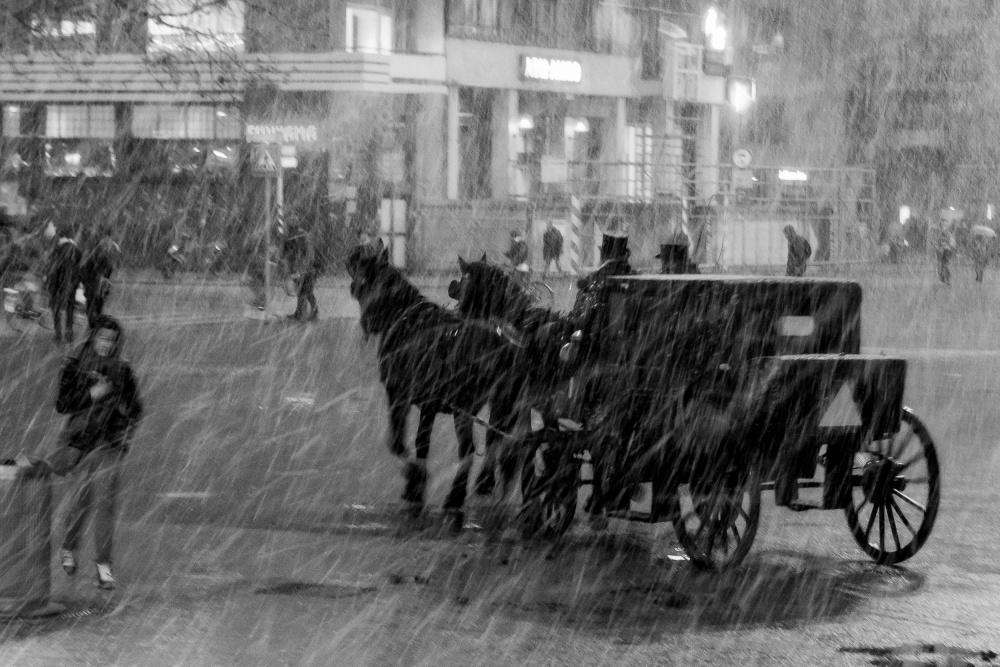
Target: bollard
{"points": [[25, 543]]}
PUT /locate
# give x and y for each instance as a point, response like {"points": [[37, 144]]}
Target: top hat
{"points": [[614, 247]]}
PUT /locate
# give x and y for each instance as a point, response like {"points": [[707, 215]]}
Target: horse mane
{"points": [[400, 306]]}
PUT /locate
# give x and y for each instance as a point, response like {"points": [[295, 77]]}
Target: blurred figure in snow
{"points": [[799, 252], [62, 279], [304, 265], [945, 246], [517, 253], [95, 273], [552, 245], [980, 251]]}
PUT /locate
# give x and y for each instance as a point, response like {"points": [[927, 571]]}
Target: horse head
{"points": [[488, 290], [376, 285]]}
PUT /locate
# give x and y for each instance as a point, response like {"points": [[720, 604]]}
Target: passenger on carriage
{"points": [[674, 256]]}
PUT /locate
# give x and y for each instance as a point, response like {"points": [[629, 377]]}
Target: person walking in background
{"points": [[95, 274], [552, 246], [62, 279], [980, 251], [799, 252], [306, 266], [99, 394], [945, 246], [517, 253]]}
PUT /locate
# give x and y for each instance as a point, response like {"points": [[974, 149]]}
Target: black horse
{"points": [[488, 292], [432, 359]]}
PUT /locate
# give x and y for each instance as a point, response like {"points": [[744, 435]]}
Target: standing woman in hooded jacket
{"points": [[99, 393]]}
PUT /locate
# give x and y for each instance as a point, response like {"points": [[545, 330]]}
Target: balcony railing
{"points": [[629, 45]]}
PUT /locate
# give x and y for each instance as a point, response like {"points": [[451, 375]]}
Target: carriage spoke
{"points": [[894, 451], [892, 526], [913, 459], [910, 500], [871, 523], [881, 528], [917, 480], [902, 517]]}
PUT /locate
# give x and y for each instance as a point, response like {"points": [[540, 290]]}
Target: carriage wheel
{"points": [[897, 486], [716, 527], [549, 482]]}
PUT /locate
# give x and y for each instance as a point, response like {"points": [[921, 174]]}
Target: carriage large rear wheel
{"points": [[717, 523], [896, 492], [549, 485]]}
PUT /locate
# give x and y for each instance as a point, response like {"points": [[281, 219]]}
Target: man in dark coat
{"points": [[517, 253], [100, 396], [614, 262], [552, 245], [61, 283], [674, 257], [799, 252], [95, 274], [304, 262]]}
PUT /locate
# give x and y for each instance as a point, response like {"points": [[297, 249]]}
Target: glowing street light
{"points": [[742, 93]]}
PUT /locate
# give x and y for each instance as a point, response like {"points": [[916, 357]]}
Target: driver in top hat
{"points": [[674, 255], [614, 262]]}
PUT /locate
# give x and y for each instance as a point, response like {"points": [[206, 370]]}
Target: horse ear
{"points": [[483, 260], [463, 265], [382, 251]]}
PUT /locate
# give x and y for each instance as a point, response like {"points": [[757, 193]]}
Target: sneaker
{"points": [[68, 561], [105, 580]]}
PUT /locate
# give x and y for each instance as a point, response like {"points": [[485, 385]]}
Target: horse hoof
{"points": [[485, 483]]}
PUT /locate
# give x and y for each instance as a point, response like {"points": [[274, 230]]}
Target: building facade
{"points": [[137, 112]]}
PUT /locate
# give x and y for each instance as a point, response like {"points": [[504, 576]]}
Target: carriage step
{"points": [[630, 515], [802, 484], [799, 506]]}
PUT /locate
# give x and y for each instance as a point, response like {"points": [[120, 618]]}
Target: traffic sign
{"points": [[265, 161]]}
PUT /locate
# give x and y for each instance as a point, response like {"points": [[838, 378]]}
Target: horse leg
{"points": [[398, 411], [416, 470], [455, 501], [413, 474]]}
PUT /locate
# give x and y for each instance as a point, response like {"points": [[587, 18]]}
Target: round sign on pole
{"points": [[741, 158]]}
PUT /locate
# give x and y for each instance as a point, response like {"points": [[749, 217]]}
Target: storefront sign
{"points": [[551, 69], [282, 134], [554, 170]]}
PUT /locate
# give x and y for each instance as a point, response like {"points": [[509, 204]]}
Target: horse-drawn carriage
{"points": [[697, 392]]}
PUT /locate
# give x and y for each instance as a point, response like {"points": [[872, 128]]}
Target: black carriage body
{"points": [[771, 366]]}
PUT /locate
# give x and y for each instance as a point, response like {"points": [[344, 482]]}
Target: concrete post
{"points": [[453, 152]]}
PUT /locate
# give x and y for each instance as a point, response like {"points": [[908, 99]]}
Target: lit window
{"points": [[195, 25], [165, 121], [11, 120], [70, 33], [85, 121], [368, 31]]}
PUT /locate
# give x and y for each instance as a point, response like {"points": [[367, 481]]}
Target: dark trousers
{"points": [[94, 487], [95, 291], [63, 302], [944, 272], [307, 287]]}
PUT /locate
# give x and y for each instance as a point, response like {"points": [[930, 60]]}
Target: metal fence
{"points": [[738, 228]]}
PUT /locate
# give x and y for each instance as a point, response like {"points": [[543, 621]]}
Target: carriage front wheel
{"points": [[717, 522], [895, 484]]}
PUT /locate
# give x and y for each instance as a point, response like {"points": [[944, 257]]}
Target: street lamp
{"points": [[741, 93]]}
